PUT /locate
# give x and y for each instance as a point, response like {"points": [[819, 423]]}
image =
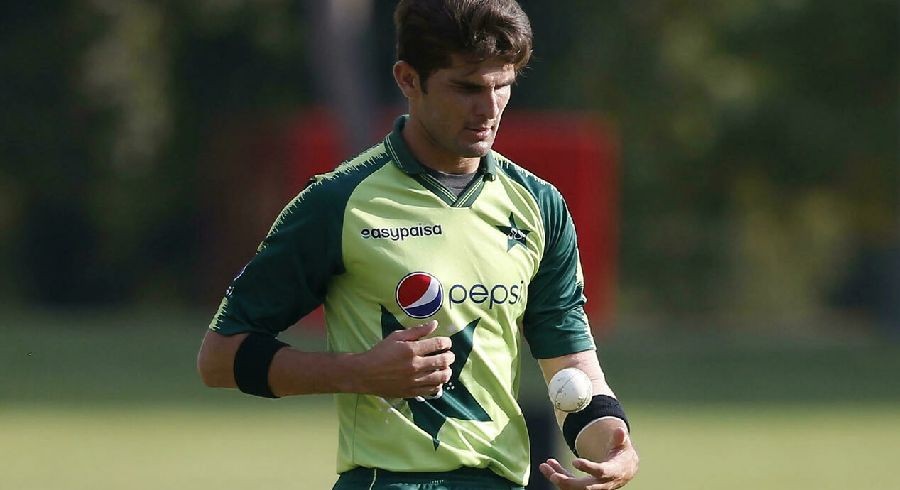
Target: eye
{"points": [[470, 89]]}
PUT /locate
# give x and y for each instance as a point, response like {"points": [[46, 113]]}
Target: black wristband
{"points": [[252, 361], [600, 406]]}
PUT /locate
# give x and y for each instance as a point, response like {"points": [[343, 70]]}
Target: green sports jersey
{"points": [[385, 246]]}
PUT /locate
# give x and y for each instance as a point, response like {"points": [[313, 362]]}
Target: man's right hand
{"points": [[406, 364]]}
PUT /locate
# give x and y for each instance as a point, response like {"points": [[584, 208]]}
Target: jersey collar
{"points": [[406, 162]]}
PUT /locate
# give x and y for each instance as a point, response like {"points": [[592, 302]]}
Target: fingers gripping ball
{"points": [[570, 390]]}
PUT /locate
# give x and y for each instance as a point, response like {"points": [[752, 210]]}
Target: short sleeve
{"points": [[289, 275], [555, 323]]}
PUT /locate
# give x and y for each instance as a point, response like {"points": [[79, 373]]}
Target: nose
{"points": [[489, 105]]}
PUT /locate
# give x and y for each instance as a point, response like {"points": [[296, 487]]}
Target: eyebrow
{"points": [[472, 85]]}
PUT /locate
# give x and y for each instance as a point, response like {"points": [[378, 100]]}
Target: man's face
{"points": [[461, 106]]}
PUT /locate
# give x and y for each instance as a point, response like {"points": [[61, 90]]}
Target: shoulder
{"points": [[341, 181], [544, 192], [549, 200], [326, 195]]}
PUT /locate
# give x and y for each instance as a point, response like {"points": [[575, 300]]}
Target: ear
{"points": [[407, 79]]}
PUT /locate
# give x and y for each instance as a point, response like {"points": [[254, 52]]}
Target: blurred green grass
{"points": [[111, 400]]}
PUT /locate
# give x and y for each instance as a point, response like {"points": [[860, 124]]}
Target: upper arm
{"points": [[555, 323], [289, 275]]}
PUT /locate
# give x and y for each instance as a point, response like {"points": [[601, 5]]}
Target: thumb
{"points": [[417, 332]]}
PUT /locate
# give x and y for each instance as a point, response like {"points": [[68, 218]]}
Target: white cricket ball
{"points": [[570, 390]]}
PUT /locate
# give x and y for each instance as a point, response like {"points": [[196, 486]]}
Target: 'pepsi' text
{"points": [[498, 294]]}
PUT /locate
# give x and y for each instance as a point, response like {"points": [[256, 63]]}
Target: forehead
{"points": [[492, 70]]}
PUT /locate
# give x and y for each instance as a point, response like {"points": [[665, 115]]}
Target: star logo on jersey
{"points": [[514, 234], [457, 401]]}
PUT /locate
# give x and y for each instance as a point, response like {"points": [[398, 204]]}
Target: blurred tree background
{"points": [[760, 172]]}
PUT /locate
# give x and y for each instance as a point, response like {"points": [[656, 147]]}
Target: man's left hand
{"points": [[617, 469]]}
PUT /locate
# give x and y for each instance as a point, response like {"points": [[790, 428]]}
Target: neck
{"points": [[427, 151]]}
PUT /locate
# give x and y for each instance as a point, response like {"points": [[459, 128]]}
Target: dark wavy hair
{"points": [[430, 31]]}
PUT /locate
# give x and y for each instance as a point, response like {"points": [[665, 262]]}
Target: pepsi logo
{"points": [[419, 294]]}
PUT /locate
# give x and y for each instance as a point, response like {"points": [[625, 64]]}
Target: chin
{"points": [[477, 150]]}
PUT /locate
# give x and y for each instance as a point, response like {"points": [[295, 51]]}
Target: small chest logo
{"points": [[419, 294], [514, 234]]}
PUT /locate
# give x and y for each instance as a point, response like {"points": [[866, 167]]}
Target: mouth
{"points": [[481, 132]]}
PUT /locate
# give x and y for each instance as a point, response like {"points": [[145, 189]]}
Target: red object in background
{"points": [[313, 147], [576, 152]]}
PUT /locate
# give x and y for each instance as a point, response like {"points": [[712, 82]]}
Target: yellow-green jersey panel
{"points": [[385, 246]]}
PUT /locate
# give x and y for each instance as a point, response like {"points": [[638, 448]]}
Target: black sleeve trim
{"points": [[600, 406], [252, 361]]}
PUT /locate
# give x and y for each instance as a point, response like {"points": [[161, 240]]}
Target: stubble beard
{"points": [[457, 148], [480, 148], [477, 151]]}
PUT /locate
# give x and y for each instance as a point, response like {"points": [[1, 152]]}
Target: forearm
{"points": [[292, 372], [594, 441], [586, 362], [405, 364], [295, 372], [598, 434]]}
